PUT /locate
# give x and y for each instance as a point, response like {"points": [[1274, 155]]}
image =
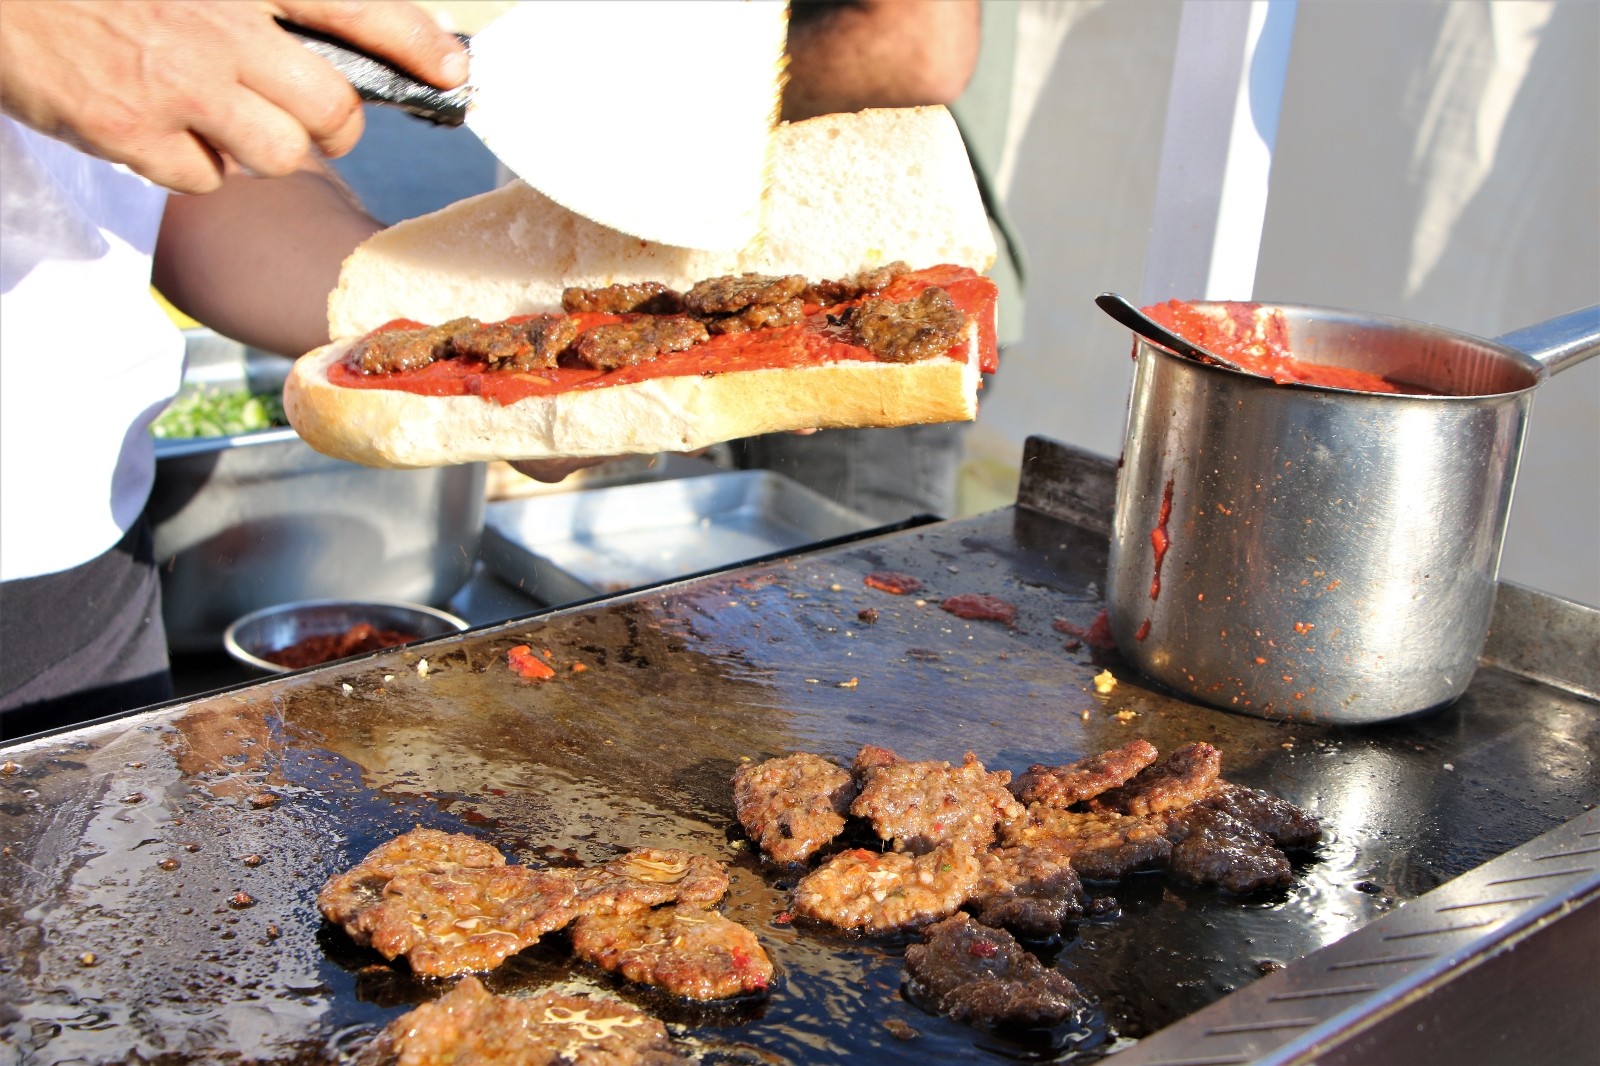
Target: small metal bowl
{"points": [[272, 629]]}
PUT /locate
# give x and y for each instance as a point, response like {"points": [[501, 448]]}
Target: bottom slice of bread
{"points": [[681, 413]]}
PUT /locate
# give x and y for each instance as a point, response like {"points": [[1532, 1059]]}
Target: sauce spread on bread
{"points": [[802, 334]]}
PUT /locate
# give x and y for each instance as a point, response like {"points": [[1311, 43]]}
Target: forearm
{"points": [[256, 259], [878, 53]]}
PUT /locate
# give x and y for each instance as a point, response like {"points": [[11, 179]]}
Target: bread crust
{"points": [[681, 413]]}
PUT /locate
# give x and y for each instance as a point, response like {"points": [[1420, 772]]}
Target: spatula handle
{"points": [[379, 82]]}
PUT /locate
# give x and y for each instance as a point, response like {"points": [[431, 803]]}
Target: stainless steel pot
{"points": [[1306, 552]]}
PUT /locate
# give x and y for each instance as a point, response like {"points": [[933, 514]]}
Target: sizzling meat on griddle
{"points": [[688, 951], [1286, 824], [792, 805], [648, 877], [470, 1027], [451, 905], [1215, 848], [877, 892], [467, 920], [1101, 846], [982, 976], [1062, 786], [1030, 891], [1182, 778], [445, 901], [920, 805], [419, 851]]}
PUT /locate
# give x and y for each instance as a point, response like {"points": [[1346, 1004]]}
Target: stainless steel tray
{"points": [[566, 547]]}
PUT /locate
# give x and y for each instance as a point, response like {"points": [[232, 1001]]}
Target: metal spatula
{"points": [[652, 117]]}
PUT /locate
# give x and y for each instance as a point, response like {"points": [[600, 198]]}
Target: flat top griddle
{"points": [[159, 872]]}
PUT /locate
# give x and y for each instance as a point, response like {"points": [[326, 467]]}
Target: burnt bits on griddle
{"points": [[471, 1025]]}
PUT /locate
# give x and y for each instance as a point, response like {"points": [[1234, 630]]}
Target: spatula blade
{"points": [[652, 117]]}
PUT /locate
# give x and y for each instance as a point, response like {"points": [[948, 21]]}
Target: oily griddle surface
{"points": [[159, 872]]}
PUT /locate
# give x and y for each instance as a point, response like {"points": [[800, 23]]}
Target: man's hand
{"points": [[170, 87]]}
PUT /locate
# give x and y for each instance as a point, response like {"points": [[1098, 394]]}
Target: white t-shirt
{"points": [[87, 357]]}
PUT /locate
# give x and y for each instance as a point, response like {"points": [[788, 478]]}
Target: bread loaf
{"points": [[848, 193]]}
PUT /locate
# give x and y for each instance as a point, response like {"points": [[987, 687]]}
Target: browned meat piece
{"points": [[470, 1027], [622, 344], [531, 344], [1182, 778], [982, 976], [1288, 826], [690, 952], [648, 877], [1062, 786], [1031, 891], [1218, 849], [879, 892], [642, 297], [735, 292], [465, 920], [866, 283], [406, 349], [757, 316], [792, 805], [1101, 846], [921, 328], [868, 759], [419, 851], [920, 805]]}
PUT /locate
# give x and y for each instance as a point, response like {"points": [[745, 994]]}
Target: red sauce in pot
{"points": [[814, 341], [1260, 344]]}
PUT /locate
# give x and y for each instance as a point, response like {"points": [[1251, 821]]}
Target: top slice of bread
{"points": [[848, 192]]}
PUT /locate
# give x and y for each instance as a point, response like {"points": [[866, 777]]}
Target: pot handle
{"points": [[1560, 342]]}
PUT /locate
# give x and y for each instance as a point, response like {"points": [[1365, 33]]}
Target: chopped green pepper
{"points": [[208, 412]]}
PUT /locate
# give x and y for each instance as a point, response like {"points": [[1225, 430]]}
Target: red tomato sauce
{"points": [[814, 341], [1160, 541], [892, 581], [1261, 346], [326, 647], [980, 607]]}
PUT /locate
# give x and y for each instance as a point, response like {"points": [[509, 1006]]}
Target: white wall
{"points": [[1436, 160]]}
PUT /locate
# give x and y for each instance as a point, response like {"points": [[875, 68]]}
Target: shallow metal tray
{"points": [[567, 547]]}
